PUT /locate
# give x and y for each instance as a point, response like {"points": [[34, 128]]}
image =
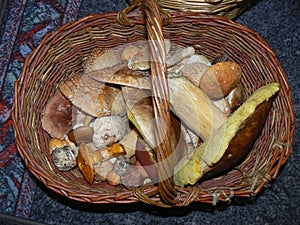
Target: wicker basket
{"points": [[62, 51], [227, 8]]}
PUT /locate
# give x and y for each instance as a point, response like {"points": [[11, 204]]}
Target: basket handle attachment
{"points": [[123, 19]]}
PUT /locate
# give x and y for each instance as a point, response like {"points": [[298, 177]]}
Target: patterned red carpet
{"points": [[26, 24]]}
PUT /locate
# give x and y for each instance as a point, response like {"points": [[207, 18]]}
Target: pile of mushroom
{"points": [[101, 120]]}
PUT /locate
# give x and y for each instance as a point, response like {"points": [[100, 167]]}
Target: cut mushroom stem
{"points": [[194, 108]]}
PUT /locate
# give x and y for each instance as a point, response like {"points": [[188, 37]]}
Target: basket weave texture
{"points": [[61, 52], [227, 8]]}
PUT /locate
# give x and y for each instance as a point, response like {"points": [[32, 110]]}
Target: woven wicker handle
{"points": [[155, 18], [160, 100]]}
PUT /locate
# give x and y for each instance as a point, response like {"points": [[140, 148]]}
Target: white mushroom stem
{"points": [[194, 108]]}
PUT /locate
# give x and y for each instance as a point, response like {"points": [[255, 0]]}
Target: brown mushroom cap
{"points": [[221, 78], [57, 118], [123, 76], [85, 163], [79, 134], [235, 97], [232, 142], [95, 98], [103, 58], [116, 150]]}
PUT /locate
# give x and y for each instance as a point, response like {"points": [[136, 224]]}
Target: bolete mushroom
{"points": [[124, 76], [231, 142], [194, 108], [92, 97], [103, 58], [220, 78]]}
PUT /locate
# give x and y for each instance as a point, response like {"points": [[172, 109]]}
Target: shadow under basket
{"points": [[63, 51]]}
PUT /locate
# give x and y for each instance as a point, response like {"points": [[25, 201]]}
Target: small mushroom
{"points": [[113, 178], [109, 130], [83, 133], [63, 153], [179, 55], [220, 78], [95, 165], [58, 116], [94, 98], [101, 170]]}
